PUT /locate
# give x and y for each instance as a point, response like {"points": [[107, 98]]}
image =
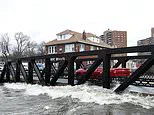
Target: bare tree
{"points": [[4, 44], [22, 44], [31, 49], [41, 48]]}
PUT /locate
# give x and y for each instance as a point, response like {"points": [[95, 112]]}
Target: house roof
{"points": [[76, 37]]}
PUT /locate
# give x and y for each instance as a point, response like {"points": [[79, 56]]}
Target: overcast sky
{"points": [[43, 19]]}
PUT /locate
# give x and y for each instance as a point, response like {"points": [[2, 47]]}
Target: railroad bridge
{"points": [[14, 70]]}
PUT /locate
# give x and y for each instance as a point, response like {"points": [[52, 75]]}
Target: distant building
{"points": [[152, 32], [147, 41], [115, 38]]}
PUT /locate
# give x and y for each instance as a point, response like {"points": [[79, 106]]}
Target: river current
{"points": [[26, 99]]}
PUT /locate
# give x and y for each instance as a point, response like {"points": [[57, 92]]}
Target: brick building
{"points": [[115, 38], [147, 41], [152, 32], [71, 41]]}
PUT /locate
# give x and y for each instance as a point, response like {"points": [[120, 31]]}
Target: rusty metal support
{"points": [[58, 73], [71, 70], [38, 73], [23, 71], [117, 64], [78, 64], [53, 69], [3, 74], [124, 63], [135, 75], [30, 71], [12, 71], [121, 61], [106, 71], [47, 71], [70, 57], [17, 73], [7, 72], [91, 69]]}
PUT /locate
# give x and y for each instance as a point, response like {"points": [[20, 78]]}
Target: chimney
{"points": [[84, 35]]}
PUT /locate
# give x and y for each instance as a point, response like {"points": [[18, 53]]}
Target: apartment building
{"points": [[115, 38]]}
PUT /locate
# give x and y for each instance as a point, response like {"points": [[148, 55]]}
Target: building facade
{"points": [[147, 41], [115, 38], [152, 32], [71, 41]]}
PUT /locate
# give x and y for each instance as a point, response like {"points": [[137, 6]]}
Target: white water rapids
{"points": [[86, 93]]}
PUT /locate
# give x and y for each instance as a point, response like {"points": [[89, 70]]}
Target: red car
{"points": [[97, 74]]}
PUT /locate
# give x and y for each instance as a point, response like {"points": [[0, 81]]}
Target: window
{"points": [[69, 48], [51, 49], [82, 47], [63, 36], [92, 47], [94, 39]]}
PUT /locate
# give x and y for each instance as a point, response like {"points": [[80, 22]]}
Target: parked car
{"points": [[97, 74], [40, 66]]}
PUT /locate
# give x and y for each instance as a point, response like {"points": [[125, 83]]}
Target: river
{"points": [[26, 99]]}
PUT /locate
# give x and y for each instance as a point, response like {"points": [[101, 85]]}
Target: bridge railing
{"points": [[66, 62]]}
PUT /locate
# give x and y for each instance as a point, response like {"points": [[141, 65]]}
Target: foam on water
{"points": [[85, 93]]}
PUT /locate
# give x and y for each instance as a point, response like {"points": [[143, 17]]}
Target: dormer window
{"points": [[94, 39], [64, 36]]}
